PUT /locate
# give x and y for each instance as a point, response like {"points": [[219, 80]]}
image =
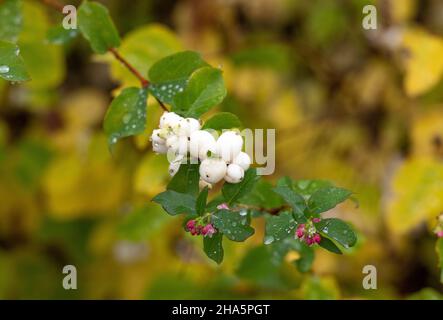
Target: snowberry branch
{"points": [[55, 4]]}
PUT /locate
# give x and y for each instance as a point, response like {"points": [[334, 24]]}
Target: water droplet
{"points": [[163, 88], [325, 230], [234, 224], [243, 212], [269, 239], [126, 118], [4, 69]]}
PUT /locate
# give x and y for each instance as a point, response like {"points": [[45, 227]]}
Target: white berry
{"points": [[159, 148], [201, 142], [229, 145], [212, 170], [243, 160], [234, 173], [169, 120], [187, 126], [155, 137]]}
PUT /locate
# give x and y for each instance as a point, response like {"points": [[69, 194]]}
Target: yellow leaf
{"points": [[427, 134], [417, 194], [424, 62], [151, 175]]}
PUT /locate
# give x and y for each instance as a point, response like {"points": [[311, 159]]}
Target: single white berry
{"points": [[212, 170], [169, 120], [187, 126], [243, 160], [155, 137], [174, 167], [172, 143], [229, 145], [201, 142], [159, 148], [234, 173]]}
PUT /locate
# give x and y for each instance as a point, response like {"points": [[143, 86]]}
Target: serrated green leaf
{"points": [[234, 191], [213, 247], [59, 35], [232, 225], [279, 227], [204, 90], [97, 27], [126, 116], [296, 201], [176, 203], [12, 67], [10, 20], [201, 201], [327, 198], [338, 230], [327, 244], [186, 179], [222, 120]]}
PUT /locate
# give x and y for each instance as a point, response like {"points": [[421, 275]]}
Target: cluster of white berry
{"points": [[219, 159]]}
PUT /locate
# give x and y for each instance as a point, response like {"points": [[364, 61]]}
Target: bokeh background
{"points": [[360, 108]]}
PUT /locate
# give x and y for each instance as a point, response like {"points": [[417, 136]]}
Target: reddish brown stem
{"points": [[54, 4], [144, 82]]}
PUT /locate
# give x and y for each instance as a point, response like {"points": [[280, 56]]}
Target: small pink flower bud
{"points": [[309, 241], [223, 206], [300, 233], [317, 238], [440, 234], [190, 225], [316, 220], [208, 230]]}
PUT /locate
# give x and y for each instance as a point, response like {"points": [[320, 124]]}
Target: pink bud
{"points": [[300, 233], [316, 220], [301, 226], [316, 238], [223, 206], [309, 241], [440, 234], [208, 230], [190, 225]]}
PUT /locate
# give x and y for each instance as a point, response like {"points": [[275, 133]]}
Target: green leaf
{"points": [[186, 179], [327, 244], [169, 75], [338, 230], [12, 67], [296, 201], [262, 196], [176, 203], [279, 227], [327, 198], [97, 27], [205, 89], [142, 47], [59, 35], [126, 116], [213, 247], [201, 201], [222, 120], [10, 20], [234, 191], [232, 225], [259, 267], [439, 248]]}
